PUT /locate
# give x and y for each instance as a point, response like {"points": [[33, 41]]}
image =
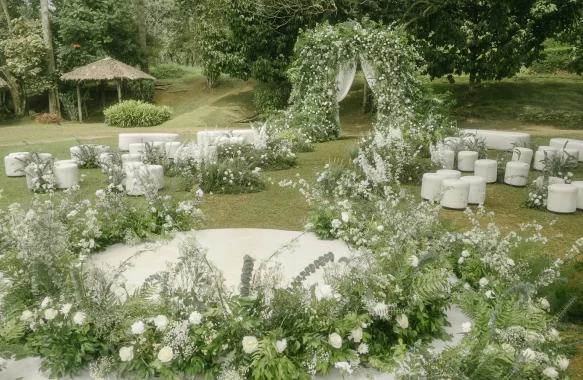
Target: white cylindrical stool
{"points": [[156, 175], [171, 148], [551, 150], [448, 159], [522, 155], [466, 160], [25, 154], [562, 199], [566, 152], [579, 186], [102, 148], [451, 174], [66, 175], [477, 189], [137, 148], [63, 162], [539, 157], [516, 173], [487, 169], [431, 185], [135, 180], [14, 164], [455, 194], [131, 157], [75, 152], [46, 157]]}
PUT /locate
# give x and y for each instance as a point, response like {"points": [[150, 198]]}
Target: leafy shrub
{"points": [[48, 118], [143, 90], [167, 71], [271, 97], [135, 113], [230, 178], [69, 104], [555, 61], [266, 159]]}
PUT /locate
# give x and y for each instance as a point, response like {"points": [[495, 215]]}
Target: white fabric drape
{"points": [[370, 73], [344, 79]]}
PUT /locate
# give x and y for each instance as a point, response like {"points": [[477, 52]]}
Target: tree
{"points": [[48, 38], [487, 39]]}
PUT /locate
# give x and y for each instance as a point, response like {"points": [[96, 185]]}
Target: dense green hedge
{"points": [[135, 113], [168, 71]]}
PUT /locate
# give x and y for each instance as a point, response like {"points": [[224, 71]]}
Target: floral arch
{"points": [[325, 65]]}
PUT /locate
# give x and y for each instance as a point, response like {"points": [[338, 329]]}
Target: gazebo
{"points": [[107, 69]]}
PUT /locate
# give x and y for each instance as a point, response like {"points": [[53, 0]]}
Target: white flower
{"points": [[562, 363], [324, 292], [380, 228], [467, 286], [343, 367], [465, 253], [165, 354], [402, 321], [335, 340], [50, 314], [551, 372], [489, 294], [161, 322], [345, 216], [362, 348], [199, 193], [26, 316], [414, 261], [483, 282], [195, 318], [554, 334], [126, 353], [467, 327], [66, 308], [100, 193], [356, 334], [529, 354], [45, 302], [79, 318], [250, 344], [138, 328], [281, 345], [545, 304], [460, 260], [508, 348], [510, 262]]}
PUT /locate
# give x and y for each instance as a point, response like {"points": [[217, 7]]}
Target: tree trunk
{"points": [[7, 15], [47, 37], [472, 87], [142, 34], [16, 93]]}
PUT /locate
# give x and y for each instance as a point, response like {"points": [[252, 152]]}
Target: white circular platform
{"points": [[226, 249]]}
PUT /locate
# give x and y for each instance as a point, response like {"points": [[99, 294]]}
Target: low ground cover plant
{"points": [[135, 113]]}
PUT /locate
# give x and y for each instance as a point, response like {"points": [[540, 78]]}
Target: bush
{"points": [[230, 178], [266, 159], [48, 118], [168, 71], [143, 90], [271, 97], [135, 113]]}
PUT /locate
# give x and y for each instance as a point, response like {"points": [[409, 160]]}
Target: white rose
{"points": [[161, 322], [45, 302], [66, 308], [484, 282], [362, 348], [403, 321], [50, 314], [26, 316], [414, 261], [467, 327], [281, 345], [529, 354], [489, 294], [356, 334], [250, 344], [460, 260], [545, 304], [562, 363], [126, 353], [551, 372], [324, 292], [335, 340], [79, 318], [138, 328], [345, 216], [554, 334], [195, 318], [465, 253], [165, 355], [380, 228]]}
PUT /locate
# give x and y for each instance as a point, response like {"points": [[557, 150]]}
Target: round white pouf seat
{"points": [[137, 148], [477, 189], [466, 160], [516, 173], [431, 185], [171, 148], [579, 186], [487, 169], [63, 162], [155, 145], [156, 173], [566, 152], [451, 174], [562, 198], [46, 157], [522, 155], [135, 180], [551, 150], [539, 157], [66, 175], [540, 181], [14, 165], [131, 157], [455, 194], [448, 159]]}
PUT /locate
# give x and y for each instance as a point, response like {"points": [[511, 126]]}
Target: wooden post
{"points": [[119, 90], [79, 102], [103, 94]]}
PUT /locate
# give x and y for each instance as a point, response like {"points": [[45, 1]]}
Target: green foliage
{"points": [[143, 90], [230, 178], [168, 71], [267, 158], [554, 61], [246, 274], [134, 113], [69, 104], [571, 118], [312, 268], [271, 97]]}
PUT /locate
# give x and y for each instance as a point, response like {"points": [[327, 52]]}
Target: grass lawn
{"points": [[496, 105]]}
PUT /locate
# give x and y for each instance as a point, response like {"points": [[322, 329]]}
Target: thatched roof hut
{"points": [[106, 69]]}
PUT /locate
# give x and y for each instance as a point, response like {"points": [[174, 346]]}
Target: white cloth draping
{"points": [[370, 73], [344, 79]]}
